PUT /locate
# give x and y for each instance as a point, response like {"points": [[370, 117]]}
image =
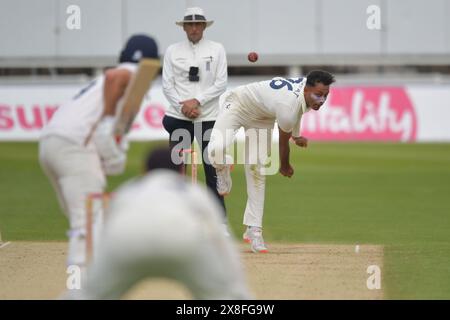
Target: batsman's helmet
{"points": [[139, 46]]}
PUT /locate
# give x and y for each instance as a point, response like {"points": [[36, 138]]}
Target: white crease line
{"points": [[5, 244]]}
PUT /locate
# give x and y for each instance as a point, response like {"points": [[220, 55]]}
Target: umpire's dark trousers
{"points": [[197, 129]]}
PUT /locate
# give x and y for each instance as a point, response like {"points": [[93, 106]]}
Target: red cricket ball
{"points": [[252, 57]]}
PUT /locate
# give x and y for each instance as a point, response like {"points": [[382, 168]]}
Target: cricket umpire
{"points": [[194, 76]]}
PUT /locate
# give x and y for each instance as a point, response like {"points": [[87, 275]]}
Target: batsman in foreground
{"points": [[78, 147], [160, 225], [256, 107]]}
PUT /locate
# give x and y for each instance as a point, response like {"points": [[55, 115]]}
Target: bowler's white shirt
{"points": [[280, 99], [75, 119], [210, 58]]}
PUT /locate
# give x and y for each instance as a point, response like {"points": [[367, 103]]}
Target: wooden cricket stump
{"points": [[193, 160], [97, 204]]}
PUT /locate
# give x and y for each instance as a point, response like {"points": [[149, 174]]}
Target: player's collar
{"points": [[193, 45], [303, 105]]}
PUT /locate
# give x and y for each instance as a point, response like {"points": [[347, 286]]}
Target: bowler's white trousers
{"points": [[74, 171], [232, 117]]}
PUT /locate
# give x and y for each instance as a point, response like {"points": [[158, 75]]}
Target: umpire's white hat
{"points": [[194, 14]]}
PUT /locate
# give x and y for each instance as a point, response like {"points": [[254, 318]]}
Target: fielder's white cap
{"points": [[194, 14]]}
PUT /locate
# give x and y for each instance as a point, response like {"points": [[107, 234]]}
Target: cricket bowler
{"points": [[256, 107]]}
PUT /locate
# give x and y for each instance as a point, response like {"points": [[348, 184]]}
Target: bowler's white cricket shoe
{"points": [[253, 235], [224, 181]]}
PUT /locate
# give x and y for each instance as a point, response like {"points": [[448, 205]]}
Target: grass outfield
{"points": [[396, 195]]}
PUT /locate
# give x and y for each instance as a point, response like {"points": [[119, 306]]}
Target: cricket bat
{"points": [[134, 94]]}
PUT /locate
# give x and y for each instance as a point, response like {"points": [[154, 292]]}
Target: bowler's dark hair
{"points": [[319, 76]]}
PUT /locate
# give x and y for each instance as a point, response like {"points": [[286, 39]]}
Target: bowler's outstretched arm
{"points": [[285, 167]]}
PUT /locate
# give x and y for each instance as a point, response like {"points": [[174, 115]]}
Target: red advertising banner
{"points": [[363, 113]]}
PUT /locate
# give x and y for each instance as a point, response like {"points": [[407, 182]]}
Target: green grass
{"points": [[396, 195]]}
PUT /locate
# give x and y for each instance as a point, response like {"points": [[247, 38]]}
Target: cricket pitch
{"points": [[36, 270]]}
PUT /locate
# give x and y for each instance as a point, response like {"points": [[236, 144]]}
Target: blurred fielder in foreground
{"points": [[78, 146], [160, 225], [256, 107]]}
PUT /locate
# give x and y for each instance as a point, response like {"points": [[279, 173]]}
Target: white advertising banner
{"points": [[352, 113]]}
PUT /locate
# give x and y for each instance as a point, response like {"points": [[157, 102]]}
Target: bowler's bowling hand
{"points": [[287, 170], [301, 141]]}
